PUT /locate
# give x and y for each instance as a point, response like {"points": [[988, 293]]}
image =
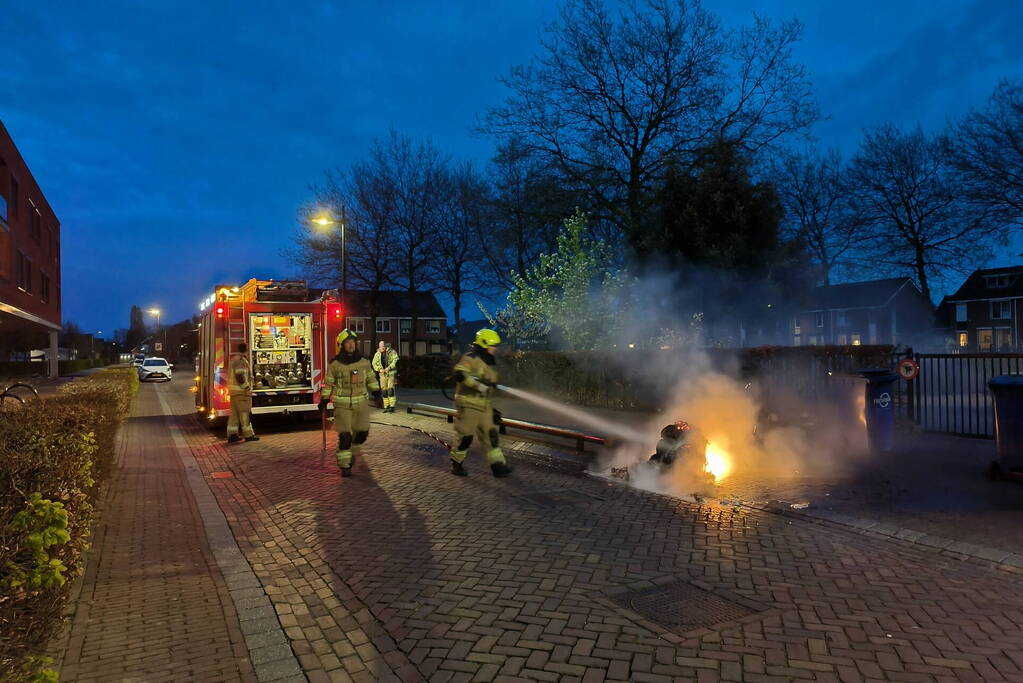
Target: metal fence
{"points": [[951, 394]]}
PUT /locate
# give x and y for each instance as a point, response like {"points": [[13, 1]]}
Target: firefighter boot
{"points": [[346, 471], [252, 438], [500, 469], [458, 469], [234, 438]]}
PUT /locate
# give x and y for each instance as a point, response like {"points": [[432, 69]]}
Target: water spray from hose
{"points": [[580, 416]]}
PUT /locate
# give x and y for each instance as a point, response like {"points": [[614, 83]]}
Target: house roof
{"points": [[976, 287], [391, 304], [868, 294]]}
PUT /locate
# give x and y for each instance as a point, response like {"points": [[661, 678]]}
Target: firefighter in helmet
{"points": [[476, 374], [349, 379], [385, 362], [239, 388]]}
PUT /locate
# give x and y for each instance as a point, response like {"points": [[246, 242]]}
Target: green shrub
{"points": [[424, 372], [54, 454]]}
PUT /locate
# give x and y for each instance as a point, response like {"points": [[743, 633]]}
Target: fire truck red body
{"points": [[289, 333]]}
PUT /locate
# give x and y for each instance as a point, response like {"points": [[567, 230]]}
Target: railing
{"points": [[951, 394], [580, 438]]}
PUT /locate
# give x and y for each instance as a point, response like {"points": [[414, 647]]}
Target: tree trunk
{"points": [[921, 271]]}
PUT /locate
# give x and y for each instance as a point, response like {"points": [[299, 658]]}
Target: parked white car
{"points": [[155, 368], [137, 360]]}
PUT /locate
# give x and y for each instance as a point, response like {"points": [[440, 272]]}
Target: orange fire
{"points": [[718, 462], [861, 404]]}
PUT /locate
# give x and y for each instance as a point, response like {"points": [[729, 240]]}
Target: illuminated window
{"points": [[985, 339], [856, 340], [964, 339]]}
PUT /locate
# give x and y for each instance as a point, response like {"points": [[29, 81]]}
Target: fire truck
{"points": [[289, 331]]}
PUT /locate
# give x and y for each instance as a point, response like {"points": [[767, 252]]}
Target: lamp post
{"points": [[156, 312], [325, 220]]}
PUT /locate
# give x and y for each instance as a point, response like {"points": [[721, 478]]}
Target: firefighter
{"points": [[349, 378], [476, 374], [385, 362], [239, 388]]}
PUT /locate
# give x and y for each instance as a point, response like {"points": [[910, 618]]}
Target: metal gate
{"points": [[951, 394]]}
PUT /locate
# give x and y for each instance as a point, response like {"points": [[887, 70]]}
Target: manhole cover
{"points": [[684, 606], [559, 498]]}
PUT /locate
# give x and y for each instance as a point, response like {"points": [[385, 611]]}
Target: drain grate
{"points": [[559, 498], [683, 606]]}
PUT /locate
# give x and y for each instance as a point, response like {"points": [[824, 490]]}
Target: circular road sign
{"points": [[908, 369]]}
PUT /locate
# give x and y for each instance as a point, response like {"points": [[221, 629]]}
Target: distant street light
{"points": [[156, 312], [325, 220]]}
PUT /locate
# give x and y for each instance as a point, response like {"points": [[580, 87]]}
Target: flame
{"points": [[861, 405], [718, 462]]}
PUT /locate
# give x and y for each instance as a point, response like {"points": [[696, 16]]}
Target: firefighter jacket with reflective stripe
{"points": [[470, 367], [349, 384], [385, 362], [239, 376]]}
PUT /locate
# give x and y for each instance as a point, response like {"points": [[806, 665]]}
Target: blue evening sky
{"points": [[175, 140]]}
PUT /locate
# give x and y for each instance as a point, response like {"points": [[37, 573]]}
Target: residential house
{"points": [[891, 311], [413, 324], [984, 313], [30, 313]]}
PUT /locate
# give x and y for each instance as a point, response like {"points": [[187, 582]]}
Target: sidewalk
{"points": [[153, 604]]}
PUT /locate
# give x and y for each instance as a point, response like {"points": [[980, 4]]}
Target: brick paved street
{"points": [[408, 573]]}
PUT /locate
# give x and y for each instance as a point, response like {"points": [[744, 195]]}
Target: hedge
{"points": [[424, 372], [54, 456], [642, 379]]}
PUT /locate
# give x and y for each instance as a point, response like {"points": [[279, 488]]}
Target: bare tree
{"points": [[907, 194], [612, 100], [459, 264], [813, 190], [987, 148], [527, 209]]}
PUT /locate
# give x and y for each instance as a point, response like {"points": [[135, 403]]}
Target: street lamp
{"points": [[156, 312], [325, 220]]}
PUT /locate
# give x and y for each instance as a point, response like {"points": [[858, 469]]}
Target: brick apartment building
{"points": [[984, 313], [891, 311], [393, 322], [30, 314]]}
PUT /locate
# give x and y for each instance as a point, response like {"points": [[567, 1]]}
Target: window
{"points": [[842, 340], [818, 318], [985, 339], [797, 340], [14, 198], [856, 340], [840, 319], [3, 211], [155, 363], [996, 281], [964, 339], [44, 288], [23, 268], [796, 329], [383, 325], [35, 220], [1001, 310], [961, 313], [406, 327], [357, 325], [433, 327], [1003, 338]]}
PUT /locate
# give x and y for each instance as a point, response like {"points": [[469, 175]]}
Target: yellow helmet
{"points": [[346, 334], [486, 338]]}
